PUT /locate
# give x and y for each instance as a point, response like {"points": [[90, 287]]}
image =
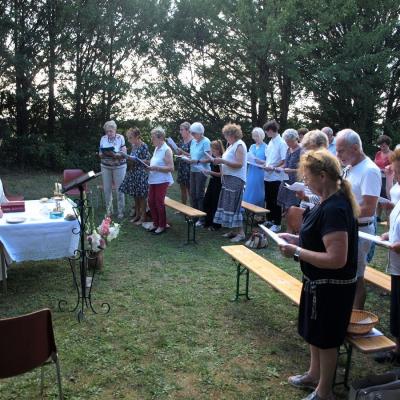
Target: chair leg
{"points": [[41, 381], [60, 392]]}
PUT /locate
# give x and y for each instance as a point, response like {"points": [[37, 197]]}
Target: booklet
{"points": [[296, 187], [273, 236], [141, 161], [171, 142], [211, 158], [184, 158], [375, 239], [255, 164]]}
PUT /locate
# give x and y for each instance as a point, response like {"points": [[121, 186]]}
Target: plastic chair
{"points": [[27, 342], [68, 176]]}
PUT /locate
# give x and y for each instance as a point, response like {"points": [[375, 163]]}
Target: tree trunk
{"points": [[51, 4]]}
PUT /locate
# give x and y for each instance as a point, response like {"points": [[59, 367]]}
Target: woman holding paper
{"points": [[394, 270], [113, 165], [160, 178], [183, 167], [233, 169], [327, 251], [254, 192], [286, 197], [136, 181]]}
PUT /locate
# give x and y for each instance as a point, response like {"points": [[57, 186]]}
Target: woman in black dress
{"points": [[214, 187], [327, 251]]}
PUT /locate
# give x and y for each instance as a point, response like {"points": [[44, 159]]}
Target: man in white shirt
{"points": [[365, 179], [331, 139], [275, 153]]}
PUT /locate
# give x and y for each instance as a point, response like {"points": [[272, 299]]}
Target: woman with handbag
{"points": [[327, 251]]}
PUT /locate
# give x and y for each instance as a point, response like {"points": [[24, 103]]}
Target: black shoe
{"points": [[388, 357]]}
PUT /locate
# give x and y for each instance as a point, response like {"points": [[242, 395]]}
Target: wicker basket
{"points": [[361, 322]]}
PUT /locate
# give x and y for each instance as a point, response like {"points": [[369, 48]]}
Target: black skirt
{"points": [[324, 325]]}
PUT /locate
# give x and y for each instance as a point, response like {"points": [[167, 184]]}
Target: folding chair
{"points": [[27, 342]]}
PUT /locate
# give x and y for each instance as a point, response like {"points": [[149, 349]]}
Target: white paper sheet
{"points": [[184, 158], [273, 236], [372, 333], [141, 161], [296, 187], [255, 164], [375, 239], [171, 142], [382, 200]]}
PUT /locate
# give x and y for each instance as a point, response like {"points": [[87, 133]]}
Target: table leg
{"points": [[3, 268]]}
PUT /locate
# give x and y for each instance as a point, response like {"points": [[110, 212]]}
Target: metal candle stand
{"points": [[81, 256]]}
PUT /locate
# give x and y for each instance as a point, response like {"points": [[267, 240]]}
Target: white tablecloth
{"points": [[39, 237]]}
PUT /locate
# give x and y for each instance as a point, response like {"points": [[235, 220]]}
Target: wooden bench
{"points": [[247, 260], [251, 210], [378, 278], [190, 214]]}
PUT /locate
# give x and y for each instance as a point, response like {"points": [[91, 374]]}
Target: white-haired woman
{"points": [[254, 192], [113, 165], [286, 197], [160, 178]]}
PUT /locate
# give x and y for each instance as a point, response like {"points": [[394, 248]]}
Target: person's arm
{"points": [[368, 206], [239, 154], [335, 256]]}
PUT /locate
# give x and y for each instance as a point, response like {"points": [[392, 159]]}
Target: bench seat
{"points": [[251, 210], [378, 278], [190, 214]]}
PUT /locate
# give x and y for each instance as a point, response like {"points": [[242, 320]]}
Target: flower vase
{"points": [[96, 260]]}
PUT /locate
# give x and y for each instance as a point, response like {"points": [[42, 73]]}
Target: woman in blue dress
{"points": [[254, 192]]}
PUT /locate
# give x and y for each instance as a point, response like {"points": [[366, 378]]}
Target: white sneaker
{"points": [[275, 228], [148, 225], [238, 238], [199, 224]]}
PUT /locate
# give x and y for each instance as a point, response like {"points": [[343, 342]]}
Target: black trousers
{"points": [[271, 196]]}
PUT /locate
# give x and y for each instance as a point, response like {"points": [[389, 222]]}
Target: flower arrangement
{"points": [[99, 237]]}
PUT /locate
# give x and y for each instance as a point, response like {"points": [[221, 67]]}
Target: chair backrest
{"points": [[71, 174], [26, 342]]}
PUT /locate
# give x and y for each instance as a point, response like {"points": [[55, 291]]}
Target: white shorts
{"points": [[363, 249]]}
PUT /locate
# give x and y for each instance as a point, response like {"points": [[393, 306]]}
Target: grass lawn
{"points": [[172, 332]]}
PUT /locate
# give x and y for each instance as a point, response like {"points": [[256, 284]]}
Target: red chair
{"points": [[68, 176], [27, 342]]}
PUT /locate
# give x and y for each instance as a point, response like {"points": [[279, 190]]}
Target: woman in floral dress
{"points": [[136, 179]]}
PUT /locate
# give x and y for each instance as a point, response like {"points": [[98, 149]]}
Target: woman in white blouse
{"points": [[113, 165], [160, 178], [233, 169]]}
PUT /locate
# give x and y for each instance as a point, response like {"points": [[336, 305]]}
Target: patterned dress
{"points": [[136, 179], [184, 167]]}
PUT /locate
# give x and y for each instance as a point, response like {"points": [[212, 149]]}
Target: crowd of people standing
{"points": [[340, 193]]}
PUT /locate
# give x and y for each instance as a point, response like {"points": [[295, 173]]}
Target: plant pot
{"points": [[96, 260]]}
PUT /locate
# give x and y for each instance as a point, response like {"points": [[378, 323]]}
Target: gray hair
{"points": [[110, 125], [158, 132], [327, 130], [290, 134], [185, 125], [350, 137], [259, 132], [315, 139]]}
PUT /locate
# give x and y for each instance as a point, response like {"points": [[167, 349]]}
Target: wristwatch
{"points": [[296, 255]]}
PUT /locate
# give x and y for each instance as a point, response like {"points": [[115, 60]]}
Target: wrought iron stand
{"points": [[83, 281]]}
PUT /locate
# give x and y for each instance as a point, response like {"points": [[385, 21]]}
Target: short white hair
{"points": [[328, 130], [259, 132], [290, 134], [350, 137], [158, 132], [110, 125]]}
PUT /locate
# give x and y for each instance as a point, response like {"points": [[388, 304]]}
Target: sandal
{"points": [[303, 381], [315, 396], [229, 235]]}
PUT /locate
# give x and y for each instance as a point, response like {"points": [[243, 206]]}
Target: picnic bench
{"points": [[378, 278], [191, 215], [247, 260], [251, 210]]}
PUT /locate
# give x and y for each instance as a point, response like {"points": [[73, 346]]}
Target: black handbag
{"points": [[377, 387]]}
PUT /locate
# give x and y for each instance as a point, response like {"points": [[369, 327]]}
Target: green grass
{"points": [[172, 332]]}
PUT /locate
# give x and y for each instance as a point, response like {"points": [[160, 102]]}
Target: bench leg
{"points": [[239, 272], [191, 226], [348, 351]]}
